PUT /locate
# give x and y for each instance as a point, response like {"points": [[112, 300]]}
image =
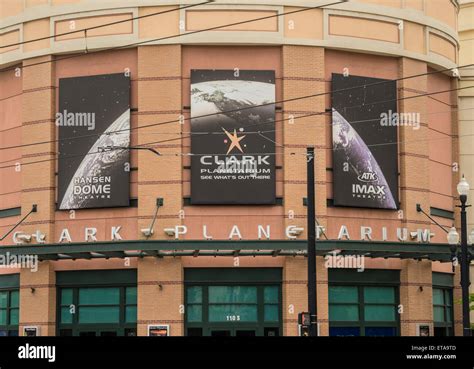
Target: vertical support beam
{"points": [[322, 296], [416, 296], [38, 298], [160, 294], [459, 147], [159, 101], [38, 179], [295, 293], [465, 262], [457, 296], [303, 74], [311, 240], [414, 146], [414, 183]]}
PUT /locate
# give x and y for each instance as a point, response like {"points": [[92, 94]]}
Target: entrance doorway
{"points": [[242, 332], [234, 332], [244, 307]]}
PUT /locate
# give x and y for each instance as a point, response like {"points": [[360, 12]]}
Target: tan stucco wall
{"points": [[303, 62], [466, 108], [353, 25]]}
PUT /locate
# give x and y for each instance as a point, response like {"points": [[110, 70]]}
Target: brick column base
{"points": [[160, 294], [38, 299]]}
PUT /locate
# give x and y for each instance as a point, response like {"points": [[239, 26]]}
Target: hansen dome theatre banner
{"points": [[365, 150], [93, 117], [233, 137]]}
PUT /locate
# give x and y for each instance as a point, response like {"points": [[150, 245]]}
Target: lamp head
{"points": [[463, 187], [470, 238], [453, 236]]}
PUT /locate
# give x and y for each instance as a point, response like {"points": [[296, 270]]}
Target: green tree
{"points": [[471, 306]]}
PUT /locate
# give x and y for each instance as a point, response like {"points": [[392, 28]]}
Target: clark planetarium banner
{"points": [[233, 137], [94, 113], [365, 150]]}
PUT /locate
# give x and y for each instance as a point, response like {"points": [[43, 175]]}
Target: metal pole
{"points": [[465, 270], [311, 241]]}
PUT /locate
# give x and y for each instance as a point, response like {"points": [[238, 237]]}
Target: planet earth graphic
{"points": [[237, 100], [350, 149], [100, 163]]}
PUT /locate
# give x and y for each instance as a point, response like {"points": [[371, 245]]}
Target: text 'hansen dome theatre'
{"points": [[154, 154]]}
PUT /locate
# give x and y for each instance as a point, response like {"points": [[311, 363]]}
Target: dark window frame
{"points": [[11, 329], [447, 326], [259, 326], [362, 323], [74, 328]]}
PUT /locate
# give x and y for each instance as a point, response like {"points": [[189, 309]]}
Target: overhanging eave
{"points": [[162, 248]]}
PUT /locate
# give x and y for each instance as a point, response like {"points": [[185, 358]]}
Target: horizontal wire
{"points": [[105, 24], [162, 141], [87, 52], [193, 154], [251, 107]]}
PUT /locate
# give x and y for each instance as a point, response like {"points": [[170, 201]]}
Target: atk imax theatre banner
{"points": [[93, 122], [365, 149], [233, 137]]}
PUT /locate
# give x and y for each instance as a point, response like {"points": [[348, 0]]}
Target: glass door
{"points": [[232, 332], [98, 332], [97, 311], [241, 310], [219, 332]]}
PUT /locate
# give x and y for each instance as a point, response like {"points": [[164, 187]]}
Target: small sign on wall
{"points": [[423, 330], [159, 330], [31, 331]]}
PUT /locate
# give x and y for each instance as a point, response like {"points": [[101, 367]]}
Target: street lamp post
{"points": [[311, 243], [453, 239]]}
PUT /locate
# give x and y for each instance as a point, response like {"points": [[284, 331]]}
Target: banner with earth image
{"points": [[233, 137], [93, 120], [365, 149]]}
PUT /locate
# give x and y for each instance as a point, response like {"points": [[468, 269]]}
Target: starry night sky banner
{"points": [[93, 114], [234, 160], [365, 150]]}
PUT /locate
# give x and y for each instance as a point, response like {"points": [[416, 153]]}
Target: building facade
{"points": [[183, 256], [466, 102]]}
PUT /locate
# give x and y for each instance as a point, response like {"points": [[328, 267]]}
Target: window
{"points": [[233, 310], [271, 304], [194, 308], [363, 311], [104, 311], [443, 311], [9, 312], [232, 303]]}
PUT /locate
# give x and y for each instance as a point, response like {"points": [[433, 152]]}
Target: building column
{"points": [[37, 288], [416, 296], [322, 296], [303, 74], [417, 305], [38, 298], [295, 294], [160, 294], [38, 162], [159, 108], [414, 147], [457, 305]]}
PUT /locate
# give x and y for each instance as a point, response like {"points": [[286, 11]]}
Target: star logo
{"points": [[234, 141]]}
